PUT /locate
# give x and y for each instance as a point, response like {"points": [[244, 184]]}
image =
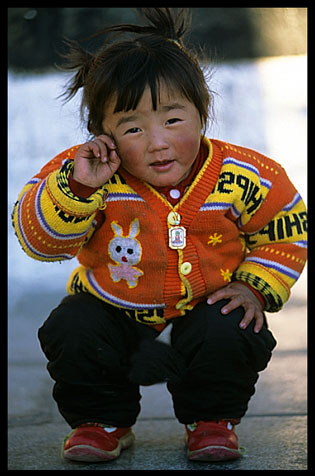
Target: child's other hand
{"points": [[241, 296], [96, 162]]}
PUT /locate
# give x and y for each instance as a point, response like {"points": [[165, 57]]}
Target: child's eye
{"points": [[173, 120], [133, 130]]}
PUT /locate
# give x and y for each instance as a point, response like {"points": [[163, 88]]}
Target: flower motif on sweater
{"points": [[214, 239], [226, 274]]}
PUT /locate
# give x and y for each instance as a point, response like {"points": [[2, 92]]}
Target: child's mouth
{"points": [[162, 165]]}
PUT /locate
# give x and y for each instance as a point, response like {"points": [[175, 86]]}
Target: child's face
{"points": [[159, 146]]}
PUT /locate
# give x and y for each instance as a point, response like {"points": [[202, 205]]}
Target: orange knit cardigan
{"points": [[243, 220]]}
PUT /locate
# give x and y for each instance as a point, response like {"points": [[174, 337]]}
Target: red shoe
{"points": [[212, 441], [94, 442]]}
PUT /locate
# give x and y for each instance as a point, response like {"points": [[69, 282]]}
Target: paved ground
{"points": [[273, 431]]}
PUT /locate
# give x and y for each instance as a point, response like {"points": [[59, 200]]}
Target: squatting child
{"points": [[170, 228]]}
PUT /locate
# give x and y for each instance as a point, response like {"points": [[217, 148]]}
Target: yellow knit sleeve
{"points": [[58, 189], [277, 254], [52, 223]]}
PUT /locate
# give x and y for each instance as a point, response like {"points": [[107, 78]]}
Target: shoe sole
{"points": [[214, 453], [90, 454]]}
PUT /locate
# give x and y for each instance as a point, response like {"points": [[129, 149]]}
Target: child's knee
{"points": [[67, 324], [215, 325]]}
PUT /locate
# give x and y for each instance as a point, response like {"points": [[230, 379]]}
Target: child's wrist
{"points": [[258, 295], [78, 188]]}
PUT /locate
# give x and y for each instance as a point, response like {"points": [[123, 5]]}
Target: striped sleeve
{"points": [[277, 250], [51, 223]]}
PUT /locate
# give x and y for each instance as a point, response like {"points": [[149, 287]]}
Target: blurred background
{"points": [[35, 34], [258, 63]]}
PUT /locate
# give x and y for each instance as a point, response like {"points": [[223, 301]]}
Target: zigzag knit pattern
{"points": [[244, 221]]}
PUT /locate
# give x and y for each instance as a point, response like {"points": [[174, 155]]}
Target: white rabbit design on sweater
{"points": [[126, 251]]}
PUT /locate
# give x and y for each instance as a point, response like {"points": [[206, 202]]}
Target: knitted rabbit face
{"points": [[125, 249]]}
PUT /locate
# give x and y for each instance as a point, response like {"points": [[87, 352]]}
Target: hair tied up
{"points": [[78, 60], [161, 22], [167, 23], [176, 42]]}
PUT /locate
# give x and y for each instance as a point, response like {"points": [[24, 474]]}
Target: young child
{"points": [[169, 227]]}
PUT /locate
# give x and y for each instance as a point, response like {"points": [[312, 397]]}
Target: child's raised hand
{"points": [[241, 296], [96, 162]]}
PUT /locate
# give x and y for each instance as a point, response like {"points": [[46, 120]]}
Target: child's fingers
{"points": [[250, 314], [238, 300], [235, 302], [114, 161], [88, 150], [102, 152], [220, 294], [259, 322], [100, 148], [247, 319], [107, 145], [114, 158]]}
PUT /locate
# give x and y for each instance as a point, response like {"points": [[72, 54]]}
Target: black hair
{"points": [[125, 67]]}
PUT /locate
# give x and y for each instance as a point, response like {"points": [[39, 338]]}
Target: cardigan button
{"points": [[174, 193], [173, 218], [186, 268]]}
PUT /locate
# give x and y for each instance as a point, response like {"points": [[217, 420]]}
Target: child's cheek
{"points": [[188, 146], [129, 155]]}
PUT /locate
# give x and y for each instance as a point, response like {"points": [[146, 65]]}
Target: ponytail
{"points": [[163, 23]]}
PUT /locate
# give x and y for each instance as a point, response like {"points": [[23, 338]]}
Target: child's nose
{"points": [[157, 142]]}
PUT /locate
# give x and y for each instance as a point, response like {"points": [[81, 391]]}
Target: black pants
{"points": [[89, 345]]}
